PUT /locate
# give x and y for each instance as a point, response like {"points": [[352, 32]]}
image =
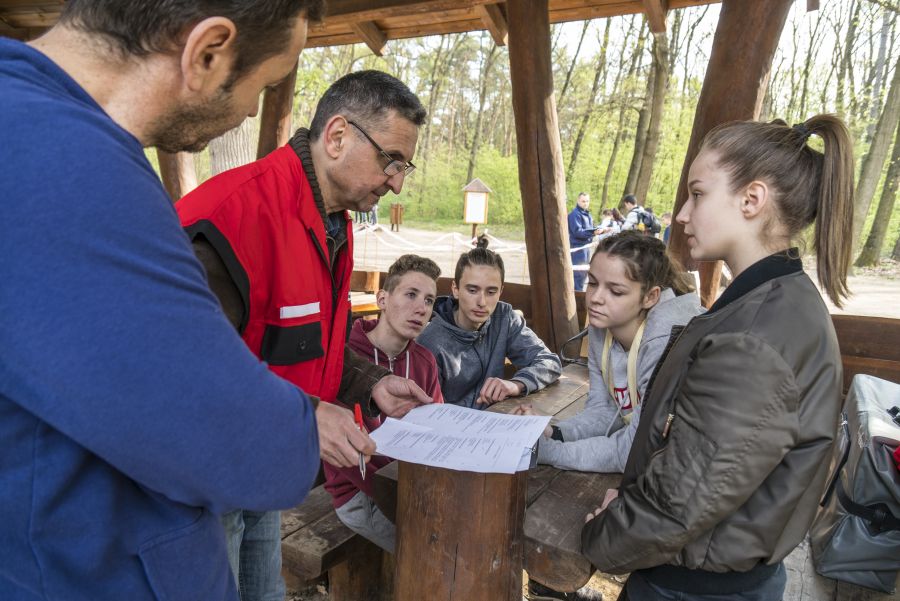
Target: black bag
{"points": [[647, 222], [856, 534]]}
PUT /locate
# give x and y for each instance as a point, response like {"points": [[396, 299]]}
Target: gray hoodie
{"points": [[597, 439], [466, 359]]}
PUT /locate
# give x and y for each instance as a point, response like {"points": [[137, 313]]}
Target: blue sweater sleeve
{"points": [[109, 334]]}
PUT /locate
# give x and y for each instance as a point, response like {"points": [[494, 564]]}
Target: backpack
{"points": [[647, 222]]}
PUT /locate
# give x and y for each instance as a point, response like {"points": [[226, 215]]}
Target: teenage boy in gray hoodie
{"points": [[473, 333]]}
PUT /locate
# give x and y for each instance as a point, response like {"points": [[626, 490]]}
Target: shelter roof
{"points": [[373, 22]]}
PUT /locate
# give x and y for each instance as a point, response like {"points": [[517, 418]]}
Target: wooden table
{"points": [[463, 534]]}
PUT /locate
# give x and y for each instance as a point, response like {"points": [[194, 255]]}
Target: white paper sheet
{"points": [[458, 438]]}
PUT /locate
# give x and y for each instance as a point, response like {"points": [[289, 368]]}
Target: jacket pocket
{"points": [[190, 563], [679, 468], [287, 345]]}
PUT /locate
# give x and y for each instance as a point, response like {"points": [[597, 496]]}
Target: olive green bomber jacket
{"points": [[755, 394]]}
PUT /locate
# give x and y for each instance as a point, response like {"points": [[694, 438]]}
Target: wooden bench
{"points": [[314, 541]]}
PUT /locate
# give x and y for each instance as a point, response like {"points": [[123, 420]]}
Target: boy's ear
{"points": [[651, 298], [380, 298], [454, 290]]}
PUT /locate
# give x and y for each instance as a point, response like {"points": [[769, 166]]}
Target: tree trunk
{"points": [[541, 177], [565, 86], [177, 172], [735, 84], [895, 255], [589, 110], [847, 61], [871, 252], [879, 74], [660, 84], [482, 96], [640, 138], [873, 162], [233, 148]]}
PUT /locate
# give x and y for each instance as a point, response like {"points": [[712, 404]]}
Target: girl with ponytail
{"points": [[635, 295], [730, 459]]}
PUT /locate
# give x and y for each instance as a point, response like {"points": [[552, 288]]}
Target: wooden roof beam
{"points": [[374, 38], [656, 14], [494, 21]]}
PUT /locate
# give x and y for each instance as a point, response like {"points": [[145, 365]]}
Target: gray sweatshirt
{"points": [[465, 359], [597, 439]]}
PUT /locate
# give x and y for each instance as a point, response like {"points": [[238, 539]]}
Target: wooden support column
{"points": [[177, 172], [275, 118], [459, 534], [541, 175], [733, 89]]}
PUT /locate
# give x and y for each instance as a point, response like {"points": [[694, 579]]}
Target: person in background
{"points": [[123, 439], [581, 234], [406, 302], [666, 219], [253, 226], [473, 332], [745, 405], [608, 224], [633, 212]]}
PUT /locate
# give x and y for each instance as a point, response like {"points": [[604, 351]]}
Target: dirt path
{"points": [[875, 291]]}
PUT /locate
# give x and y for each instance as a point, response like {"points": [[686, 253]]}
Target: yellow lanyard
{"points": [[631, 370]]}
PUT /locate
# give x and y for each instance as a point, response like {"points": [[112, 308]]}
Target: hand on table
{"points": [[611, 494], [340, 439], [527, 409], [496, 390], [396, 396]]}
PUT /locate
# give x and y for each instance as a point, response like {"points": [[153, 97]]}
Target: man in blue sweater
{"points": [[131, 413]]}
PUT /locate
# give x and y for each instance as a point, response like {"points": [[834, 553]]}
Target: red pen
{"points": [[357, 415]]}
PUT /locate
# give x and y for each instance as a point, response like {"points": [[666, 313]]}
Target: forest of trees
{"points": [[626, 100]]}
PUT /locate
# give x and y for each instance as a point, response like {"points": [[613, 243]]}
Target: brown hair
{"points": [[479, 256], [407, 263], [808, 185], [142, 27], [646, 261]]}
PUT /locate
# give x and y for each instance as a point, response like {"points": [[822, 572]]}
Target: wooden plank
{"points": [[734, 87], [373, 37], [656, 14], [541, 176], [553, 526], [872, 337], [315, 506], [275, 119], [314, 550], [886, 370], [361, 578], [495, 21]]}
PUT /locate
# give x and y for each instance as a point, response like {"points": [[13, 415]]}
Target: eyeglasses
{"points": [[394, 166]]}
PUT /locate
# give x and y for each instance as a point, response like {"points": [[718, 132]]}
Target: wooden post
{"points": [[275, 120], [177, 172], [733, 89], [541, 175], [459, 535]]}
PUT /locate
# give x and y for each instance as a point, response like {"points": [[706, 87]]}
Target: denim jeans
{"points": [[639, 589], [254, 552], [361, 515]]}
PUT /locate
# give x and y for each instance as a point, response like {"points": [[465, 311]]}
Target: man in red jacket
{"points": [[405, 302], [277, 243]]}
